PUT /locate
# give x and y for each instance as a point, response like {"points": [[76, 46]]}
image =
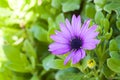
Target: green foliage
{"points": [[113, 45], [25, 29], [90, 8], [114, 65], [48, 61], [73, 5], [113, 6], [113, 62], [69, 74], [99, 16], [30, 52], [16, 61], [39, 33]]}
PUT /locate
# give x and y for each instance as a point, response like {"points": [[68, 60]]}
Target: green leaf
{"points": [[70, 5], [60, 18], [113, 6], [52, 27], [98, 17], [99, 51], [114, 64], [118, 41], [5, 12], [118, 24], [106, 24], [68, 74], [3, 3], [9, 33], [113, 45], [32, 3], [90, 10], [67, 5], [29, 49], [100, 3], [50, 62], [108, 34], [5, 74], [59, 64], [30, 16], [12, 54], [56, 3], [107, 72], [19, 68], [35, 77], [47, 62], [39, 33], [115, 54], [16, 60], [46, 11]]}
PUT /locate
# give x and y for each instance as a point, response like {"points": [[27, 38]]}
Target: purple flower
{"points": [[74, 38]]}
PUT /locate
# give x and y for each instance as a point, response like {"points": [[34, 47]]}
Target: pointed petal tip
{"points": [[73, 17], [68, 57], [88, 20], [95, 25], [66, 60], [56, 31], [65, 63], [61, 25], [52, 37], [74, 62], [83, 54], [79, 17], [67, 21]]}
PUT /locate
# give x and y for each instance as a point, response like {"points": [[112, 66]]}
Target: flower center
{"points": [[76, 43]]}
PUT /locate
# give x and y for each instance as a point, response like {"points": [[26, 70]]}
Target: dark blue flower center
{"points": [[76, 43]]}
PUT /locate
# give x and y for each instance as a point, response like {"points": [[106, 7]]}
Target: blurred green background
{"points": [[25, 29]]}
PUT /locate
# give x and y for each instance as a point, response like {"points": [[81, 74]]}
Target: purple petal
{"points": [[85, 26], [58, 48], [90, 30], [83, 53], [93, 28], [61, 51], [65, 31], [93, 41], [59, 38], [76, 24], [78, 55], [56, 45], [69, 27], [90, 44], [57, 32], [74, 20], [69, 57], [91, 35]]}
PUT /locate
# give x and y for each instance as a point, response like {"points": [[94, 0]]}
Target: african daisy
{"points": [[74, 38]]}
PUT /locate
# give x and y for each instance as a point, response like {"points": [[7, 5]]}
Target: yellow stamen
{"points": [[91, 63]]}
